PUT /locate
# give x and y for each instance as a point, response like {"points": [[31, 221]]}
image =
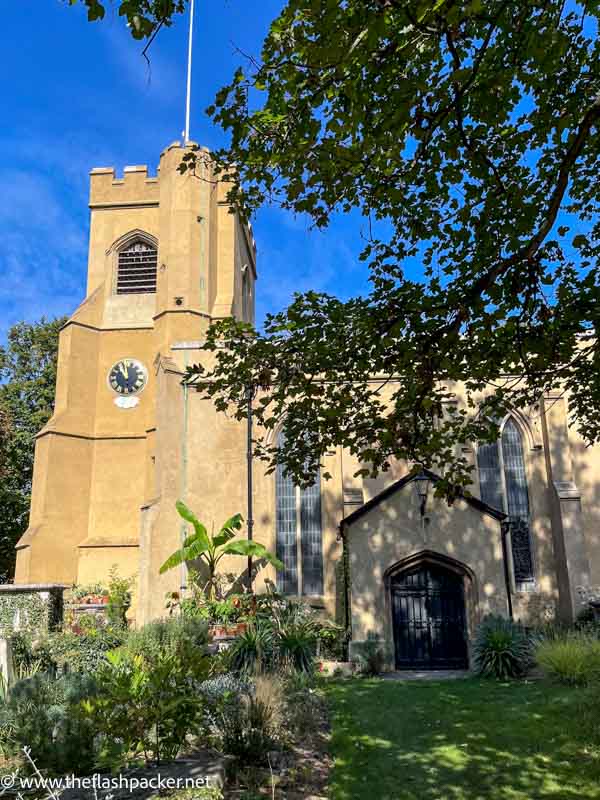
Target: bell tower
{"points": [[166, 258]]}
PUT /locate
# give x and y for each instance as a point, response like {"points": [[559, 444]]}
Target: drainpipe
{"points": [[346, 577], [184, 464], [249, 457], [504, 531]]}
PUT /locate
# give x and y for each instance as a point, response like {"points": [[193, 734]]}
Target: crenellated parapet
{"points": [[135, 188]]}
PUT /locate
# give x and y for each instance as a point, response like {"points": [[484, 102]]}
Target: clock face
{"points": [[127, 377]]}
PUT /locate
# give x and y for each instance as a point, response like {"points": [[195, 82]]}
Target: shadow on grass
{"points": [[460, 740]]}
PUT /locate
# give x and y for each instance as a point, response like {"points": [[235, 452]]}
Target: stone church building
{"points": [[128, 438]]}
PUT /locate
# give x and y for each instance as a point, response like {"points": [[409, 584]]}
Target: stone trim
{"points": [[88, 437], [96, 329]]}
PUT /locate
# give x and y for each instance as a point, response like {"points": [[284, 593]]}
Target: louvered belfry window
{"points": [[136, 272]]}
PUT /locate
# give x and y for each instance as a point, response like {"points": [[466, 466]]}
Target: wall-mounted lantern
{"points": [[422, 483]]}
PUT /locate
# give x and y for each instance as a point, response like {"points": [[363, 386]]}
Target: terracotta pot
{"points": [[241, 628]]}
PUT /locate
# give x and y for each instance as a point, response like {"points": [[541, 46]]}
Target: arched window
{"points": [[503, 485], [245, 295], [136, 268], [299, 535]]}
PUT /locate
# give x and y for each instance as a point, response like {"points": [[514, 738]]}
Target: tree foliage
{"points": [[467, 135], [27, 387], [144, 17]]}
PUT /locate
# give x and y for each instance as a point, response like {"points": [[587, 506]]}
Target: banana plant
{"points": [[211, 549]]}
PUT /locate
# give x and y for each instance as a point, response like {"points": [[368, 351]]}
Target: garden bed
{"points": [[301, 772]]}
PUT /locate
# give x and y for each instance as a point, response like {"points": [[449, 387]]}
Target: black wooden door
{"points": [[428, 610]]}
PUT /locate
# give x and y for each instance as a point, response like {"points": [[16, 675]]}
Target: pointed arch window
{"points": [[246, 295], [136, 268], [503, 485], [299, 536]]}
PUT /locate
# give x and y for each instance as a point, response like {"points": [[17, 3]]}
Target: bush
{"points": [[252, 651], [46, 715], [249, 724], [119, 599], [216, 689], [147, 702], [332, 641], [574, 659], [370, 657], [502, 649], [61, 652], [304, 706], [71, 652], [295, 644], [205, 793], [186, 639]]}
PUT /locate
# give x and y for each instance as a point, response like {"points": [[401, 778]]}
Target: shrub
{"points": [[215, 689], [252, 651], [146, 701], [574, 659], [303, 706], [295, 644], [119, 599], [333, 641], [370, 657], [46, 715], [185, 639], [502, 649], [249, 724], [63, 652], [204, 793]]}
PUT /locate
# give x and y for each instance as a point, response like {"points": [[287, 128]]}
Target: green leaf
{"points": [[189, 516], [243, 547]]}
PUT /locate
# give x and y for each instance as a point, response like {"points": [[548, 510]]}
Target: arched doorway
{"points": [[429, 617]]}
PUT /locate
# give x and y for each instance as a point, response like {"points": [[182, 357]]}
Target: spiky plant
{"points": [[502, 649]]}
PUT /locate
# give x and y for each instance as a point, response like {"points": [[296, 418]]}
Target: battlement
{"points": [[135, 188]]}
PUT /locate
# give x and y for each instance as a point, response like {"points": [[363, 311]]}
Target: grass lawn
{"points": [[462, 740]]}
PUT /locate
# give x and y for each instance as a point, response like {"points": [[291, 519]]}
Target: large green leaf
{"points": [[189, 516], [242, 547], [189, 552], [228, 530]]}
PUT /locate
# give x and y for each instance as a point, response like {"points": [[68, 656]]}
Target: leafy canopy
{"points": [[467, 136]]}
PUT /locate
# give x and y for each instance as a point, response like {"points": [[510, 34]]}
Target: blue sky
{"points": [[77, 95]]}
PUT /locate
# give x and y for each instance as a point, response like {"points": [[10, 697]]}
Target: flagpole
{"points": [[186, 135]]}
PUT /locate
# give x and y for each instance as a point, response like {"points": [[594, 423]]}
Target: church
{"points": [[129, 438]]}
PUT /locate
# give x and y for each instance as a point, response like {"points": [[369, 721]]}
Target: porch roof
{"points": [[474, 502]]}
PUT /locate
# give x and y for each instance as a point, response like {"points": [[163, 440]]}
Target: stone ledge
{"points": [[34, 587]]}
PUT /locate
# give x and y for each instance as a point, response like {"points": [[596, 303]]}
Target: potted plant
{"points": [[89, 594]]}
